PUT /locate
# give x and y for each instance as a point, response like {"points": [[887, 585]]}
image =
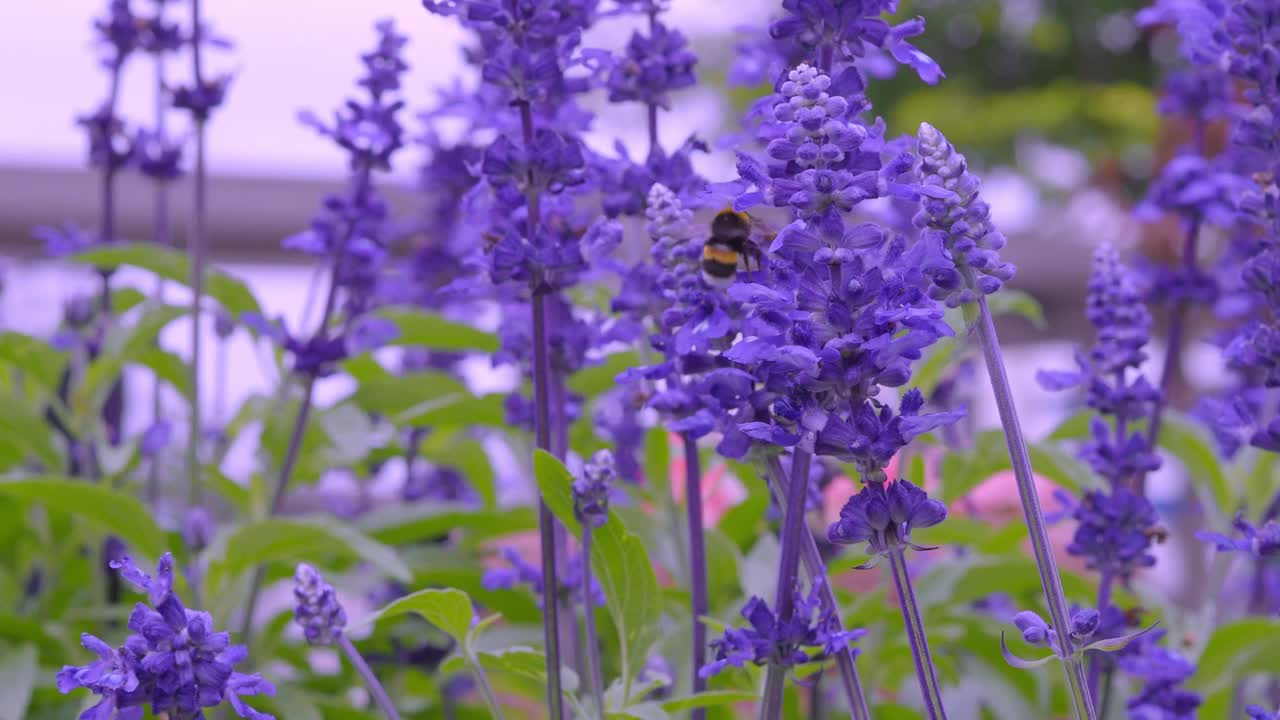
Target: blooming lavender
{"points": [[318, 611], [348, 236], [173, 662], [843, 313], [323, 620], [811, 634], [591, 507], [963, 262]]}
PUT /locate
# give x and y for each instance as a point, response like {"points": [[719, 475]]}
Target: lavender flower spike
{"points": [[173, 661], [323, 620], [883, 515], [961, 247]]}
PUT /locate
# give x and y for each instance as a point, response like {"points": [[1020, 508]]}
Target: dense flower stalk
{"points": [[323, 619], [591, 507], [173, 662], [1116, 525], [348, 236], [964, 265]]}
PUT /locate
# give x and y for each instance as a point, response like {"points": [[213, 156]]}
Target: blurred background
{"points": [[1053, 101]]}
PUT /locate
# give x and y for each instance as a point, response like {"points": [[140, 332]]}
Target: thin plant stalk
{"points": [[379, 693], [589, 623], [788, 566], [546, 521], [925, 672], [1050, 581], [298, 431], [570, 640], [697, 563], [159, 236], [812, 556], [1177, 319], [1095, 664], [486, 690], [542, 436], [196, 246]]}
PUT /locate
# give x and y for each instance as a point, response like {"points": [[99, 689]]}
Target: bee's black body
{"points": [[729, 244]]}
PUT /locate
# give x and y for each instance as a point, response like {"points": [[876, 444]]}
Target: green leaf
{"points": [[448, 609], [708, 699], [593, 380], [19, 668], [107, 508], [470, 458], [33, 357], [168, 367], [1234, 651], [296, 540], [171, 264], [28, 432], [431, 330], [1016, 302], [619, 561], [411, 523], [963, 471], [1190, 444], [125, 344], [526, 662]]}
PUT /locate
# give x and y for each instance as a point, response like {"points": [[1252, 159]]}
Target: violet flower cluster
{"points": [[351, 232], [518, 572], [1117, 525], [811, 634], [173, 662]]}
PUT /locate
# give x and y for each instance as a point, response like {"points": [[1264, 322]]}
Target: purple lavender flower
{"points": [[841, 32], [1161, 697], [155, 438], [653, 66], [1202, 93], [883, 515], [317, 611], [960, 245], [1261, 542], [1034, 629], [1257, 712], [173, 662], [810, 635], [1116, 311], [520, 572], [197, 528], [591, 491], [1115, 531]]}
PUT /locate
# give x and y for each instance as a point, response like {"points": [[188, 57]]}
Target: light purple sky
{"points": [[289, 55]]}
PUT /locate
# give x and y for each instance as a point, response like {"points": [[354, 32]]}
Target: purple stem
{"points": [[546, 521], [196, 249], [925, 672], [298, 431], [788, 566], [697, 563], [378, 692], [542, 437], [1032, 513], [160, 236], [589, 621], [1095, 664], [812, 557], [1177, 319], [570, 642]]}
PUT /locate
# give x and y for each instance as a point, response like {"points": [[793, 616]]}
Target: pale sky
{"points": [[289, 55]]}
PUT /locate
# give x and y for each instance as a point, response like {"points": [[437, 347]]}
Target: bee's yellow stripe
{"points": [[722, 255]]}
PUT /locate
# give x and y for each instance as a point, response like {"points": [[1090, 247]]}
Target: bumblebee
{"points": [[729, 244]]}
